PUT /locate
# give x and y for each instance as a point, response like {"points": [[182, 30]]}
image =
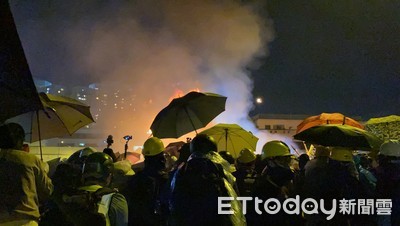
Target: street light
{"points": [[259, 100]]}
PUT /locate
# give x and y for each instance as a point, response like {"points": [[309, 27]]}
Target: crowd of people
{"points": [[200, 186]]}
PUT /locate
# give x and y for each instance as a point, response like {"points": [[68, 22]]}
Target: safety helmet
{"points": [[203, 143], [97, 165], [390, 148], [80, 156], [275, 148], [342, 154], [152, 146], [246, 155]]}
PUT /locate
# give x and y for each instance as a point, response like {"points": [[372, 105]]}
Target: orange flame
{"points": [[179, 93]]}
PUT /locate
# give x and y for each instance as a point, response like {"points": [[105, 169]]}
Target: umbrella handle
{"points": [[190, 119], [40, 137]]}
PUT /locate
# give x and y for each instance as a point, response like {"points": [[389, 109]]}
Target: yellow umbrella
{"points": [[386, 128], [232, 138]]}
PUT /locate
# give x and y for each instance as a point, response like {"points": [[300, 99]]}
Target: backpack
{"points": [[195, 188], [87, 208]]}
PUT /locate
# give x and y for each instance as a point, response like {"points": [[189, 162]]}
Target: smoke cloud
{"points": [[141, 54]]}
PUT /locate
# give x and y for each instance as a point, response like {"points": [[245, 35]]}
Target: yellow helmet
{"points": [[246, 155], [153, 146], [342, 154], [275, 148]]}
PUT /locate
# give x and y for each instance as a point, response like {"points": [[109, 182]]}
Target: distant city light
{"points": [[259, 100]]}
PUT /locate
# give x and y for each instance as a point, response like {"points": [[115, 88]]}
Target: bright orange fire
{"points": [[179, 93]]}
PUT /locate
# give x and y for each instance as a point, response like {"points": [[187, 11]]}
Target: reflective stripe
{"points": [[104, 206]]}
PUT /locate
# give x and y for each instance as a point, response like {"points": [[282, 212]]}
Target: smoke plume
{"points": [[141, 54]]}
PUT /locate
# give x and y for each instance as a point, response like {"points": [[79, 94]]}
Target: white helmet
{"points": [[390, 148]]}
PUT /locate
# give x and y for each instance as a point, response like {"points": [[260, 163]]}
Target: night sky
{"points": [[332, 56], [325, 56]]}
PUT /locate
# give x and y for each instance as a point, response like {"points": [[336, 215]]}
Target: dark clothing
{"points": [[148, 198], [331, 181], [245, 180], [298, 182], [275, 182], [388, 187], [196, 187]]}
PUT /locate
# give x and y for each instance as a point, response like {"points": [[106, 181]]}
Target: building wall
{"points": [[279, 124]]}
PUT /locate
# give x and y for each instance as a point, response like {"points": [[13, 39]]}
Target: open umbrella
{"points": [[186, 114], [18, 93], [61, 116], [232, 138], [327, 118], [386, 128], [340, 136]]}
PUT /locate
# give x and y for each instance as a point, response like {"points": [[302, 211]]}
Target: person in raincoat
{"points": [[388, 183], [197, 184], [24, 183], [275, 182], [148, 189]]}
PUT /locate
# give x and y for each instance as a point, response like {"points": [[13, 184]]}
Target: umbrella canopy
{"points": [[61, 116], [385, 128], [186, 114], [327, 118], [232, 138], [18, 93], [340, 136]]}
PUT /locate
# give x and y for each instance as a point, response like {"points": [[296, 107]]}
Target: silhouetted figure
{"points": [[275, 182], [245, 173], [300, 174], [198, 183], [388, 184], [148, 189]]}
